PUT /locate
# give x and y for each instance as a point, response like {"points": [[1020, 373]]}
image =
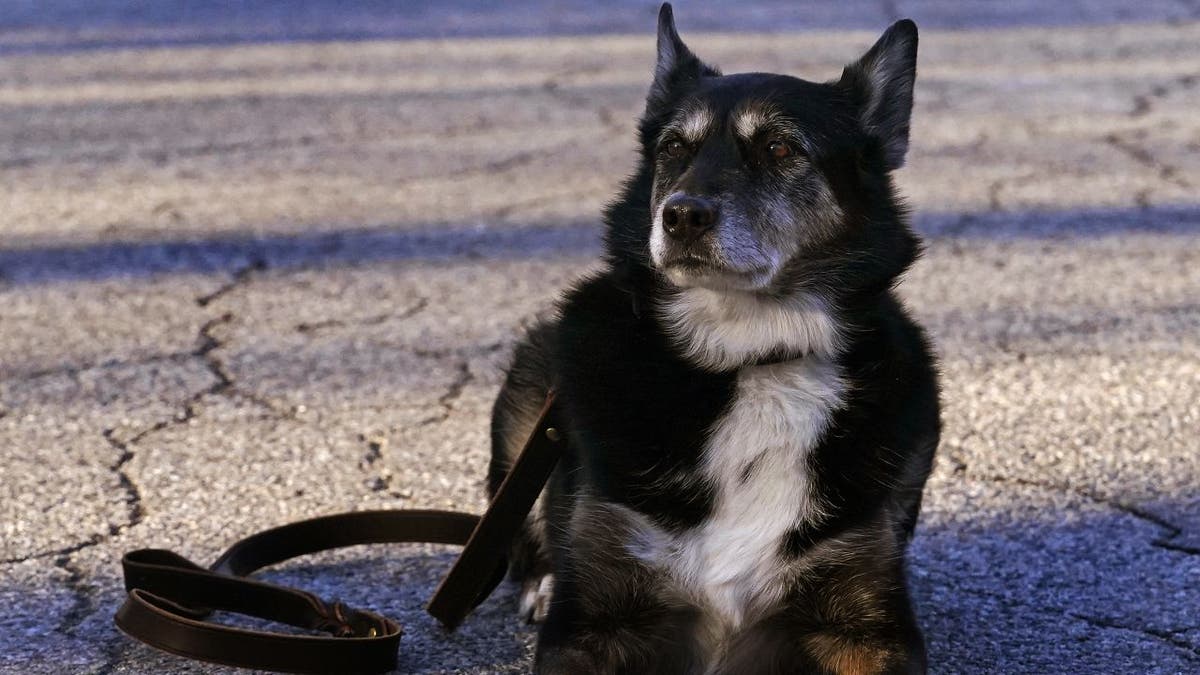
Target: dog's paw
{"points": [[535, 598]]}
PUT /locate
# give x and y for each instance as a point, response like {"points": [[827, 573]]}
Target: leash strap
{"points": [[171, 598]]}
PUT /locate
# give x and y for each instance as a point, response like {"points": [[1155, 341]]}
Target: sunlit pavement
{"points": [[263, 266]]}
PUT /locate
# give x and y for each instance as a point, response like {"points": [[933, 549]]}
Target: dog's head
{"points": [[769, 183]]}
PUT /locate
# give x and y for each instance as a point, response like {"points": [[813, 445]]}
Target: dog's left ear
{"points": [[677, 68], [882, 82]]}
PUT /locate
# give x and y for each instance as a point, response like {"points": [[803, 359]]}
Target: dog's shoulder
{"points": [[600, 343], [597, 300], [610, 318], [890, 356]]}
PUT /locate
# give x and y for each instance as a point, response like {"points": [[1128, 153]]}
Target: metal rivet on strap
{"points": [[553, 434]]}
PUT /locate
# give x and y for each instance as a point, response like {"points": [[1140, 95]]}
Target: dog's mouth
{"points": [[690, 269], [691, 262]]}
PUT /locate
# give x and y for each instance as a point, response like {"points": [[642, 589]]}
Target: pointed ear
{"points": [[882, 84], [677, 67]]}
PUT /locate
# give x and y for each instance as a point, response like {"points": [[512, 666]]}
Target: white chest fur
{"points": [[758, 459], [724, 329]]}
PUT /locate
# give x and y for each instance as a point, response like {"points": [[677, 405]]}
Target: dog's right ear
{"points": [[677, 68], [882, 82]]}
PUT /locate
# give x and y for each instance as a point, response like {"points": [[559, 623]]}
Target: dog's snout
{"points": [[685, 217]]}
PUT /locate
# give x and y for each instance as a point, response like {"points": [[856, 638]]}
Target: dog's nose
{"points": [[685, 217]]}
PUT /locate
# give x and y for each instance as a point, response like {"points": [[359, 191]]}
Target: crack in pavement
{"points": [[133, 504], [446, 401], [207, 344], [1146, 158], [133, 495], [1164, 542], [1168, 636], [461, 352], [64, 551], [224, 385], [314, 326], [1143, 104], [377, 443], [240, 277], [83, 604]]}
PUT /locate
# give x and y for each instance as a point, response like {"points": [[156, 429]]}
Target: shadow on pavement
{"points": [[68, 26], [996, 592], [225, 253]]}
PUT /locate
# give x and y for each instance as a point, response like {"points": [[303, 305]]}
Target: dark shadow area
{"points": [[1076, 589], [68, 25], [1087, 587], [232, 252], [996, 592], [227, 253], [397, 581]]}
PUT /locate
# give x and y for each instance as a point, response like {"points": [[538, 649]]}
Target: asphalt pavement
{"points": [[259, 264]]}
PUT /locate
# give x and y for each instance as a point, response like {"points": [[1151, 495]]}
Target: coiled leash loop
{"points": [[170, 598]]}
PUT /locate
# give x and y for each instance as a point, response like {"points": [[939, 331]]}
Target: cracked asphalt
{"points": [[259, 265]]}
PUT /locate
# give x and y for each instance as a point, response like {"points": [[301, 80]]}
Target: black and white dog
{"points": [[750, 412]]}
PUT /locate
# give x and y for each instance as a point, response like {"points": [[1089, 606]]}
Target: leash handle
{"points": [[468, 583], [170, 598]]}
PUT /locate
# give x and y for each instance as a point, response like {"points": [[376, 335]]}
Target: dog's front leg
{"points": [[780, 645], [849, 620], [615, 621], [612, 612]]}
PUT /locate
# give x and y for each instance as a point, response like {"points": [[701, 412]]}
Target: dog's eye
{"points": [[778, 149], [673, 148]]}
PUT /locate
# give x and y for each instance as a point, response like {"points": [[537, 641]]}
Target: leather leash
{"points": [[170, 598]]}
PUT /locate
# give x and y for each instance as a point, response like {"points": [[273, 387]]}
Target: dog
{"points": [[750, 414]]}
